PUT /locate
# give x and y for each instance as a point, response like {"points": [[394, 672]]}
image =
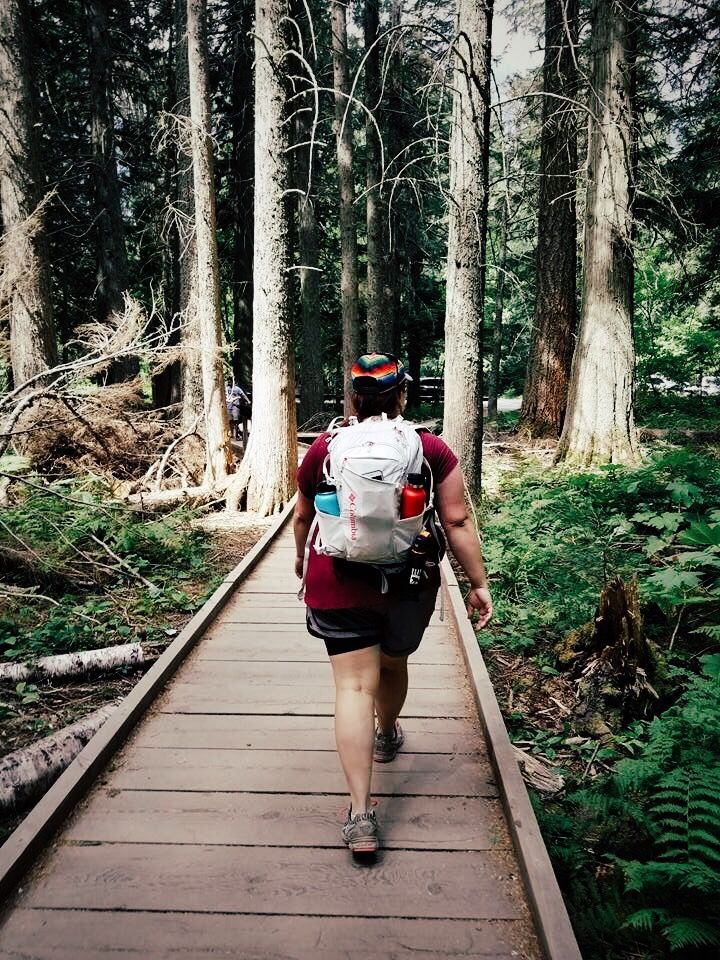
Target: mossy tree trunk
{"points": [[600, 424], [266, 479], [33, 347], [218, 456], [555, 317]]}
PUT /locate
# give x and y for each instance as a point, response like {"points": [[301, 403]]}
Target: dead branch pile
{"points": [[67, 421]]}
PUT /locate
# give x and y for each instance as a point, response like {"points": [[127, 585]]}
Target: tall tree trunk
{"points": [[112, 267], [186, 304], [166, 382], [396, 135], [267, 472], [25, 272], [469, 137], [599, 424], [218, 457], [311, 379], [494, 378], [346, 183], [379, 338], [243, 172], [555, 318]]}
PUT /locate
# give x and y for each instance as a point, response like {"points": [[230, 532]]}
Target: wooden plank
{"points": [[291, 771], [213, 673], [402, 883], [299, 646], [73, 934], [551, 918], [309, 700], [262, 819], [196, 731], [34, 831]]}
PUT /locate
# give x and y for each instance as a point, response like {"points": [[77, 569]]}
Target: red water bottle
{"points": [[412, 501]]}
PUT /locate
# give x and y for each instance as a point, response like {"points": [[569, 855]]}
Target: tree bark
{"points": [[469, 137], [311, 379], [396, 135], [267, 474], [218, 454], [26, 774], [494, 378], [346, 184], [185, 306], [600, 425], [26, 271], [243, 172], [112, 267], [555, 316], [75, 664], [378, 338]]}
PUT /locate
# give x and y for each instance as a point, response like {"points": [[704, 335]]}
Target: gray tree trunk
{"points": [[396, 136], [267, 474], [346, 184], [555, 317], [462, 426], [378, 337], [186, 304], [599, 424], [494, 378], [243, 172], [218, 456], [311, 379], [25, 272], [112, 267]]}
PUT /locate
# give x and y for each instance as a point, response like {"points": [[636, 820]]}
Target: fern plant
{"points": [[673, 787]]}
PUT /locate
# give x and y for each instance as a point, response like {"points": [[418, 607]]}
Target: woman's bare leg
{"points": [[357, 677], [391, 692]]}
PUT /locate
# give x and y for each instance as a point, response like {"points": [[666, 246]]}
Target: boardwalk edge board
{"points": [[548, 908], [20, 848]]}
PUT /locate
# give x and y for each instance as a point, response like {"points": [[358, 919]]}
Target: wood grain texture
{"points": [[291, 771], [310, 699], [262, 819], [214, 674], [178, 730], [73, 934], [402, 883]]}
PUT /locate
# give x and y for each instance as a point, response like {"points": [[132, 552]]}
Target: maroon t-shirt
{"points": [[324, 590]]}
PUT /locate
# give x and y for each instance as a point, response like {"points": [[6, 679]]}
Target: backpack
{"points": [[369, 463]]}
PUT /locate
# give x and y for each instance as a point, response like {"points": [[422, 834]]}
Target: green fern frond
{"points": [[684, 932]]}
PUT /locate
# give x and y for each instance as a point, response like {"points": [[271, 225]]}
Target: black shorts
{"points": [[398, 629]]}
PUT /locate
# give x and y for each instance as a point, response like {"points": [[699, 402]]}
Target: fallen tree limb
{"points": [[538, 775], [74, 664], [27, 773]]}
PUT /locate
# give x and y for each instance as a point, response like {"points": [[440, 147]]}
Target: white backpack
{"points": [[369, 463]]}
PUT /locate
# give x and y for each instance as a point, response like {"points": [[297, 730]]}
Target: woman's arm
{"points": [[302, 518], [464, 542]]}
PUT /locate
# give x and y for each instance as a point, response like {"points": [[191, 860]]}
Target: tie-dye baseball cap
{"points": [[377, 373]]}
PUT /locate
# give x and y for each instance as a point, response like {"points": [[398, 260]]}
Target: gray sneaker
{"points": [[360, 832], [386, 747]]}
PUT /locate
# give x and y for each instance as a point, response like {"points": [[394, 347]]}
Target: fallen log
{"points": [[74, 664], [27, 773], [539, 775]]}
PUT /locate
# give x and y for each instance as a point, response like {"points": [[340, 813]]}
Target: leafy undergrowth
{"points": [[635, 835], [81, 572], [677, 412]]}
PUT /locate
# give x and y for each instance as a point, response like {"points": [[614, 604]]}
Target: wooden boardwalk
{"points": [[215, 830]]}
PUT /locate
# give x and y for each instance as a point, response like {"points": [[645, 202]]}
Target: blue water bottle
{"points": [[326, 499]]}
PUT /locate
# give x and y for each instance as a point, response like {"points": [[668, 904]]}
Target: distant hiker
{"points": [[368, 549], [239, 409]]}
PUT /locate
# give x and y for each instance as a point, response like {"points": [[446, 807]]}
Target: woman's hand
{"points": [[479, 599], [299, 563]]}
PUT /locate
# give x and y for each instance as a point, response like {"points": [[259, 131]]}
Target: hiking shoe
{"points": [[360, 832], [386, 747]]}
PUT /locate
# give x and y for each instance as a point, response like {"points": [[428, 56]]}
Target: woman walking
{"points": [[369, 634]]}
